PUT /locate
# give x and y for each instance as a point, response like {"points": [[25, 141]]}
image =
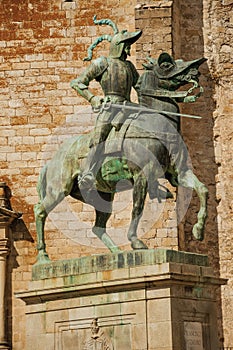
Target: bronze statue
{"points": [[145, 148], [116, 76]]}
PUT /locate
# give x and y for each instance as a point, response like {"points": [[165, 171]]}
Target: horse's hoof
{"points": [[198, 232], [138, 244], [42, 258]]}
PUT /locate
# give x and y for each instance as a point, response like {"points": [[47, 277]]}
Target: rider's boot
{"points": [[86, 180]]}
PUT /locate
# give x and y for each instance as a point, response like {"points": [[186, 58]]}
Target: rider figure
{"points": [[116, 76]]}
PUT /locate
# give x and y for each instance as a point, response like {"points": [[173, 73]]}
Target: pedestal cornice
{"points": [[110, 273]]}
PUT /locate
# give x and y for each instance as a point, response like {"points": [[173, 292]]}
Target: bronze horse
{"points": [[151, 148]]}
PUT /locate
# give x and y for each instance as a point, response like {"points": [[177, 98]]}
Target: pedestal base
{"points": [[142, 300], [4, 346]]}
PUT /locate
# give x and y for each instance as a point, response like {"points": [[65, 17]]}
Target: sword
{"points": [[108, 105]]}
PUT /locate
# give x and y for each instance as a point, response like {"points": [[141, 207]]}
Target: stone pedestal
{"points": [[141, 300]]}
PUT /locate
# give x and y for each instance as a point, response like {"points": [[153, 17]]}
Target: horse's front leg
{"points": [[40, 217], [101, 219], [191, 181], [139, 196], [51, 199]]}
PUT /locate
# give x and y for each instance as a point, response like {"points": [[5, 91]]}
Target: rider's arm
{"points": [[81, 84]]}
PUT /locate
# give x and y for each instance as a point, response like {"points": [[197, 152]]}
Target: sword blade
{"points": [[145, 109]]}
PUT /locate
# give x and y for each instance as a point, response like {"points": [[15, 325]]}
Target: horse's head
{"points": [[173, 74]]}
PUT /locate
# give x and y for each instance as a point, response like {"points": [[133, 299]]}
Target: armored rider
{"points": [[116, 76]]}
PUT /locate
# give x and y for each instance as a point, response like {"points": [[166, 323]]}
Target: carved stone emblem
{"points": [[98, 340]]}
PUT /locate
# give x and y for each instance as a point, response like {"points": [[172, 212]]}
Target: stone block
{"points": [[159, 309], [135, 297], [156, 335]]}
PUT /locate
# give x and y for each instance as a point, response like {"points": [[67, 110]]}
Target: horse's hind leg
{"points": [[191, 181], [139, 196], [102, 217]]}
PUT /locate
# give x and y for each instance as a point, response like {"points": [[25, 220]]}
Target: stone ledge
{"points": [[123, 260], [114, 273], [163, 275]]}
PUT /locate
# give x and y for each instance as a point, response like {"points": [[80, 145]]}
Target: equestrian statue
{"points": [[133, 145]]}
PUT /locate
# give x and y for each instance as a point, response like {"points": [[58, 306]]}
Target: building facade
{"points": [[42, 49]]}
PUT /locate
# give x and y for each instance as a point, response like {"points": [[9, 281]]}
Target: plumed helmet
{"points": [[117, 41]]}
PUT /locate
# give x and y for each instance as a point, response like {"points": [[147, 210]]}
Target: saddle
{"points": [[137, 126]]}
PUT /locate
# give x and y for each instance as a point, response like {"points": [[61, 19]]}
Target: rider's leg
{"points": [[93, 162]]}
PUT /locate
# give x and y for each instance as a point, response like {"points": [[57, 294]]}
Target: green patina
{"points": [[72, 269], [145, 143], [115, 169]]}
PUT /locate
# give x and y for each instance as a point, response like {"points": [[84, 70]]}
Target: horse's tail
{"points": [[41, 185]]}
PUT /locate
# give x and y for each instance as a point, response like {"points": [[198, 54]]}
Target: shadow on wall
{"points": [[19, 233], [198, 134], [199, 137]]}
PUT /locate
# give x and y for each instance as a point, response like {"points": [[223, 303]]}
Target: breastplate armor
{"points": [[117, 79]]}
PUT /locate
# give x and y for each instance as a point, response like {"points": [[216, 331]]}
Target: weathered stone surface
{"points": [[109, 262], [132, 303]]}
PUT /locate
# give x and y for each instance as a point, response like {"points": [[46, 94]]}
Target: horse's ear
{"points": [[147, 66]]}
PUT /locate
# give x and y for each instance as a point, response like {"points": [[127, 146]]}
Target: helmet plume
{"points": [[101, 38]]}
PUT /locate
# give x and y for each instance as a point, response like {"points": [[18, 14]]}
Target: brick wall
{"points": [[218, 38], [155, 19], [198, 136]]}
